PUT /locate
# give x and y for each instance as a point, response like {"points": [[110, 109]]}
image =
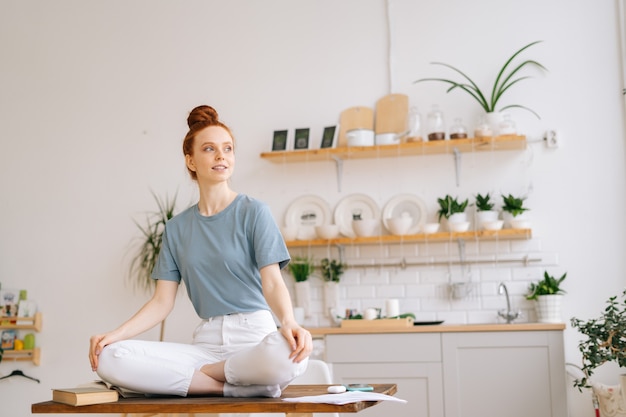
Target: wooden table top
{"points": [[218, 404]]}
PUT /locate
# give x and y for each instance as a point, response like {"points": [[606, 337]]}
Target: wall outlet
{"points": [[553, 139]]}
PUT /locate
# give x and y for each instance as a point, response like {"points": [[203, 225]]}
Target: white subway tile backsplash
{"points": [[420, 277]]}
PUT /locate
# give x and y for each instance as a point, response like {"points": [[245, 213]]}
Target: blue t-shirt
{"points": [[218, 257]]}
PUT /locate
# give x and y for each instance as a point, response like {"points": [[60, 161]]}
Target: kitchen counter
{"points": [[441, 328]]}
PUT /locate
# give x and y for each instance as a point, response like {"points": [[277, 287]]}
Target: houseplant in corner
{"points": [[513, 212], [454, 212], [332, 270], [149, 247], [547, 294], [301, 268], [503, 82], [605, 341]]}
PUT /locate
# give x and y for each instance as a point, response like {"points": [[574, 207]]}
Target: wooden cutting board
{"points": [[354, 118], [391, 113]]}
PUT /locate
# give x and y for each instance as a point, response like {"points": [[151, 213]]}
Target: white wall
{"points": [[93, 100]]}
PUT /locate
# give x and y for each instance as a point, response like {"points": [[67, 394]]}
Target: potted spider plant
{"points": [[301, 267], [508, 75], [454, 212], [149, 247], [332, 270], [547, 295]]}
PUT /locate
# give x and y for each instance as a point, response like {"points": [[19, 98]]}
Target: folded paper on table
{"points": [[344, 398]]}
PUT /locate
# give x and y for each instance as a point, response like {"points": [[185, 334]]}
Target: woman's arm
{"points": [[152, 313], [277, 297]]}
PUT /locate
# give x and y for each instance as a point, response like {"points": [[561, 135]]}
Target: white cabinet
{"points": [[517, 374], [413, 362], [457, 373]]}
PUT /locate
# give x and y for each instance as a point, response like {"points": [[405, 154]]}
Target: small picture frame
{"points": [[329, 137], [301, 139], [7, 340], [279, 143]]}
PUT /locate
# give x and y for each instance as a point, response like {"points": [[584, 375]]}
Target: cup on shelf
{"points": [[327, 231], [399, 225]]}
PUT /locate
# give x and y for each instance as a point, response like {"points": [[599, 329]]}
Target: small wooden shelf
{"points": [[505, 234], [22, 323], [498, 143], [23, 355]]}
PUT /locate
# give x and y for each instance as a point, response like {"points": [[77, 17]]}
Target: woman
{"points": [[228, 251]]}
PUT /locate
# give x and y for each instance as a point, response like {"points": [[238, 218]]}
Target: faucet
{"points": [[508, 315]]}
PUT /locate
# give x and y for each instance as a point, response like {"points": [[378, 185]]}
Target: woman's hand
{"points": [[96, 344], [300, 340]]}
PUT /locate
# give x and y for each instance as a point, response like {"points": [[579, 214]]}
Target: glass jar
{"points": [[435, 124], [414, 125], [458, 129], [483, 128], [507, 126]]}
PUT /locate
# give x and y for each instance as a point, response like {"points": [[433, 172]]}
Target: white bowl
{"points": [[289, 232], [429, 228], [365, 227], [387, 139], [520, 223], [459, 226], [360, 137], [327, 231], [492, 224], [399, 225]]}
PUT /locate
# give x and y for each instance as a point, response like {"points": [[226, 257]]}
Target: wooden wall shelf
{"points": [[23, 355], [498, 143], [504, 234], [22, 323]]}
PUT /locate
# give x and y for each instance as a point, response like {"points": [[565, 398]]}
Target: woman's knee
{"points": [[111, 361]]}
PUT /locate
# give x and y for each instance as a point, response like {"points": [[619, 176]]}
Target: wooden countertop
{"points": [[219, 404], [441, 328]]}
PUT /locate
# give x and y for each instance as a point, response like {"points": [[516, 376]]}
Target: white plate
{"points": [[306, 212], [351, 206], [406, 205]]}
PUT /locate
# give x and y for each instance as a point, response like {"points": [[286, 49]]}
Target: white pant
{"points": [[255, 353]]}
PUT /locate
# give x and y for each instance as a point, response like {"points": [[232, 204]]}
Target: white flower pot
{"points": [[486, 216], [548, 308], [303, 296]]}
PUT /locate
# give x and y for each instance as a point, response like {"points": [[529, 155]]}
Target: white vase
{"points": [[457, 218], [331, 297], [494, 119], [548, 308], [303, 296]]}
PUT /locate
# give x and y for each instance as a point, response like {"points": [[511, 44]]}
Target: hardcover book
{"points": [[84, 395]]}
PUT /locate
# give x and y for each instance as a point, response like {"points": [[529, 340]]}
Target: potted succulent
{"points": [[513, 210], [332, 270], [484, 209], [301, 268], [547, 294], [503, 82], [605, 339], [454, 212], [147, 252]]}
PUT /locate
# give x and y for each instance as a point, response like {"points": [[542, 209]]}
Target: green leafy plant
{"points": [[483, 203], [331, 270], [549, 285], [449, 206], [301, 268], [150, 244], [605, 338], [514, 205], [503, 82]]}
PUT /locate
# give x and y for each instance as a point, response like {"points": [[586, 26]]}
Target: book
{"points": [[84, 395]]}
